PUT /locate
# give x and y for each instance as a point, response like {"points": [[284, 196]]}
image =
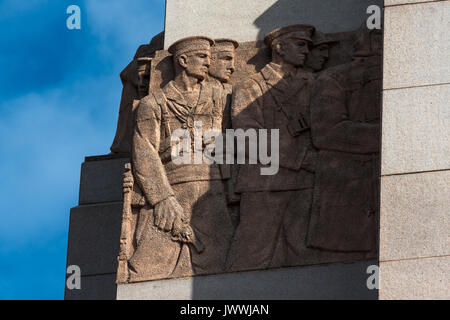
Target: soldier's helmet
{"points": [[301, 31], [321, 38]]}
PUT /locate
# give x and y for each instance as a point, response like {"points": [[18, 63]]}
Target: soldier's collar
{"points": [[215, 82], [303, 74], [273, 74], [205, 93], [173, 94]]}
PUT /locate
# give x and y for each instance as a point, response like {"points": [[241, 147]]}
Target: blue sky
{"points": [[60, 92]]}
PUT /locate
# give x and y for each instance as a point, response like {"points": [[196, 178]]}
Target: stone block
{"points": [[416, 124], [416, 51], [94, 238], [101, 180], [416, 279], [251, 20], [334, 281], [99, 287], [415, 216]]}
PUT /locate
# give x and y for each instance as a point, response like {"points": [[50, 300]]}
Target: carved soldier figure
{"points": [[143, 74], [221, 69], [274, 210], [320, 52], [345, 114], [223, 62], [135, 78], [179, 197]]}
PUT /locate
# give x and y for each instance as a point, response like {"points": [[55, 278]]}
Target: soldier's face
{"points": [[143, 81], [222, 65], [294, 51], [197, 64], [318, 57]]}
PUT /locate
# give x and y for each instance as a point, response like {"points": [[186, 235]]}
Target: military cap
{"points": [[304, 31], [321, 38], [225, 45], [190, 44], [143, 62]]}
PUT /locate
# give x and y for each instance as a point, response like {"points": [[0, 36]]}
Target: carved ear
{"points": [[278, 47], [182, 61]]}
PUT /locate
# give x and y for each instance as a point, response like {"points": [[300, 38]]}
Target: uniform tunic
{"points": [[274, 209], [345, 115], [198, 187]]}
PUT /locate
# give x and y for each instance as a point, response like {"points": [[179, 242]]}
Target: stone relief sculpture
{"points": [[276, 98], [320, 207], [172, 237], [320, 52], [223, 62], [135, 78], [345, 117]]}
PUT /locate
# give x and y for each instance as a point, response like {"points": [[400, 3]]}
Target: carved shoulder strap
{"points": [[165, 116]]}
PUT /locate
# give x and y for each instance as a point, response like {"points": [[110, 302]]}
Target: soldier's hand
{"points": [[169, 215], [128, 182]]}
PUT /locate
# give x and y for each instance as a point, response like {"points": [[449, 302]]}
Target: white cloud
{"points": [[43, 140]]}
